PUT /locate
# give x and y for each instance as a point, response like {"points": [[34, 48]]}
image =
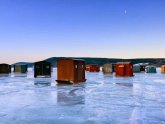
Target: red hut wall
{"points": [[92, 68], [124, 69]]}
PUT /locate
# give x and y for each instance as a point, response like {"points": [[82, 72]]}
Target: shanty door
{"points": [[38, 69], [46, 69], [79, 71], [122, 70], [142, 68]]}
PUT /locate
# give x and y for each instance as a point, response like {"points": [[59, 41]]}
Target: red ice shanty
{"points": [[93, 68], [124, 69]]}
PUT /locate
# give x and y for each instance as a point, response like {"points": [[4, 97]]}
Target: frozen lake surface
{"points": [[101, 100]]}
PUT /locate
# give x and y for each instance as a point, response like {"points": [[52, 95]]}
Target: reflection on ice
{"points": [[4, 75], [20, 75], [125, 84], [108, 75], [72, 96], [42, 82]]}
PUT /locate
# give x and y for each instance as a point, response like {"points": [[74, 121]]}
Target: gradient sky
{"points": [[33, 30]]}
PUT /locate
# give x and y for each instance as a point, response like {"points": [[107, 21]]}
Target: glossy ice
{"points": [[101, 100]]}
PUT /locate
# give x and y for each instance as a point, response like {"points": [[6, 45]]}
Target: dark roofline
{"points": [[71, 59], [21, 64], [92, 64], [42, 62], [124, 63], [4, 64]]}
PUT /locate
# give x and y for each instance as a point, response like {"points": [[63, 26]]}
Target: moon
{"points": [[125, 12]]}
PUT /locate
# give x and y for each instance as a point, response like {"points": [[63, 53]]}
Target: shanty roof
{"points": [[143, 64], [21, 64], [108, 63], [71, 59], [123, 63], [42, 62], [92, 65], [150, 66], [136, 65], [4, 64]]}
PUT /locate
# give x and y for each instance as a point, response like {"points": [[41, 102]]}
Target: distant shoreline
{"points": [[100, 61]]}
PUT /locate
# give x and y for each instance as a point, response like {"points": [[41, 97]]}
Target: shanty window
{"points": [[121, 66], [47, 67], [82, 66], [75, 66]]}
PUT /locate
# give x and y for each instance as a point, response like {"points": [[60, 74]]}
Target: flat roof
{"points": [[20, 64], [4, 64], [42, 62], [123, 62], [71, 59], [91, 64]]}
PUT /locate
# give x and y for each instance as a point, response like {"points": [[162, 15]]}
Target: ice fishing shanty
{"points": [[20, 68], [142, 67], [92, 68], [150, 69], [136, 68], [107, 68], [70, 71], [5, 68], [42, 69], [163, 69], [124, 69]]}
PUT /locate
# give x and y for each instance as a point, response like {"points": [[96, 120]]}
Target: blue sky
{"points": [[32, 30]]}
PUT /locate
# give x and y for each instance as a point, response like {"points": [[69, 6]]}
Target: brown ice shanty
{"points": [[5, 68], [124, 69], [107, 68], [163, 69], [20, 68], [42, 69], [70, 71]]}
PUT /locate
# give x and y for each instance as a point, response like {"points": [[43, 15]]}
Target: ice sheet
{"points": [[101, 100]]}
